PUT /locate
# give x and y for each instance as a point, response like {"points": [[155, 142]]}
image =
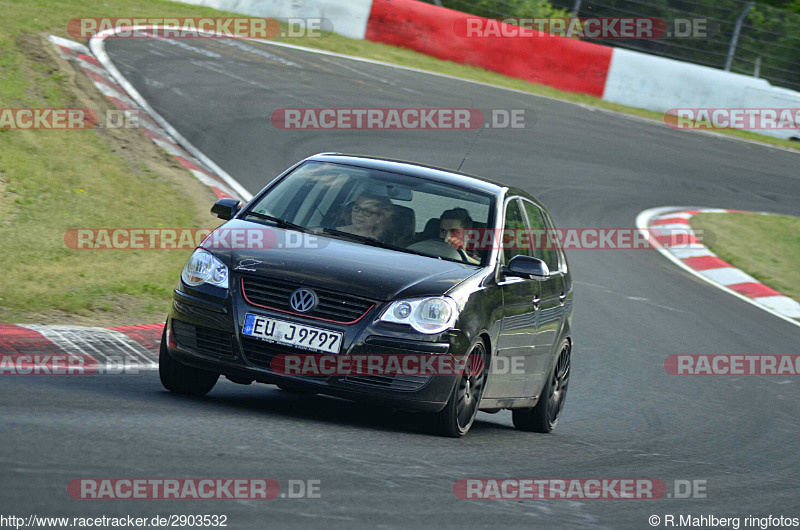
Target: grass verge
{"points": [[51, 181], [766, 247]]}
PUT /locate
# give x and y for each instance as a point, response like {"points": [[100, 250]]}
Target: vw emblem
{"points": [[303, 300]]}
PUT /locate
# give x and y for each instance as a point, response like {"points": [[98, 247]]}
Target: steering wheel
{"points": [[437, 247]]}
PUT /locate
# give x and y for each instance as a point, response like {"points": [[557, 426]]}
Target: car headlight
{"points": [[426, 315], [202, 267]]}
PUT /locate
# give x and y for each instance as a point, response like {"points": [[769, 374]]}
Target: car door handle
{"points": [[562, 297], [536, 302]]}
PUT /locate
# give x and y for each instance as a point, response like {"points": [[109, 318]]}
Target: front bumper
{"points": [[206, 333]]}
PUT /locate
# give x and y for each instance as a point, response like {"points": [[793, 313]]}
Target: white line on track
{"points": [[97, 45]]}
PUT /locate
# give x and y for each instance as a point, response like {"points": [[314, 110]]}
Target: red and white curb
{"points": [[115, 349], [673, 237], [107, 78]]}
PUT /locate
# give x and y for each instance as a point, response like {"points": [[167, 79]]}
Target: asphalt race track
{"points": [[625, 416]]}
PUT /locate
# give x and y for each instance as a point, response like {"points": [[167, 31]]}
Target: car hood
{"points": [[341, 265]]}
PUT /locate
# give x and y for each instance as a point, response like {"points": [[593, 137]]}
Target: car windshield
{"points": [[379, 208]]}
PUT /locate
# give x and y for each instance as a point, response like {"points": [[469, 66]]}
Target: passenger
{"points": [[452, 224], [371, 216]]}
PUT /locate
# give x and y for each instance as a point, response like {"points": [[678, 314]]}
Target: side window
{"points": [[558, 251], [512, 226], [542, 245]]}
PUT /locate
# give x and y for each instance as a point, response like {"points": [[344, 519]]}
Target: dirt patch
{"points": [[118, 310]]}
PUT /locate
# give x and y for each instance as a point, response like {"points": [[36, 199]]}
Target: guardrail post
{"points": [[576, 9], [735, 38]]}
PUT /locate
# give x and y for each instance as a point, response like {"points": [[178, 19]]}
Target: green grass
{"points": [[51, 181], [50, 190], [766, 247]]}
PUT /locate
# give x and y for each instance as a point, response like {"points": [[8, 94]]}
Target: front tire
{"points": [[544, 416], [181, 379], [459, 414]]}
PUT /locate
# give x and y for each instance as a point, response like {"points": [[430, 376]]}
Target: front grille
{"points": [[262, 353], [202, 339], [403, 383], [333, 306]]}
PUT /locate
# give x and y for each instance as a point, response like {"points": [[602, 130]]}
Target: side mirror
{"points": [[226, 208], [527, 267]]}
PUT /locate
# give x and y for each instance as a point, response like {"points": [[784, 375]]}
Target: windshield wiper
{"points": [[282, 223], [371, 241]]}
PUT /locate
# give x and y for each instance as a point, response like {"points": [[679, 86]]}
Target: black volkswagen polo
{"points": [[348, 258]]}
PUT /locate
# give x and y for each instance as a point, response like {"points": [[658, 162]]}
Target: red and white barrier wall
{"points": [[660, 84], [567, 64], [614, 74]]}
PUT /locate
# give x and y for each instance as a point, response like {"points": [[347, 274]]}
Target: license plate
{"points": [[292, 334]]}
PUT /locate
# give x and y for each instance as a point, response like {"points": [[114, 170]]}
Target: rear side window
{"points": [[539, 236], [513, 223]]}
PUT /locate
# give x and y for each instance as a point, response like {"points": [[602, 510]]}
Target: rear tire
{"points": [[181, 379], [544, 416], [459, 414]]}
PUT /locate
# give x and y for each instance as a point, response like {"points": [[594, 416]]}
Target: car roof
{"points": [[447, 176]]}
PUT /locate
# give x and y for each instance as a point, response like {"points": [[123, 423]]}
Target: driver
{"points": [[371, 216], [452, 224]]}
